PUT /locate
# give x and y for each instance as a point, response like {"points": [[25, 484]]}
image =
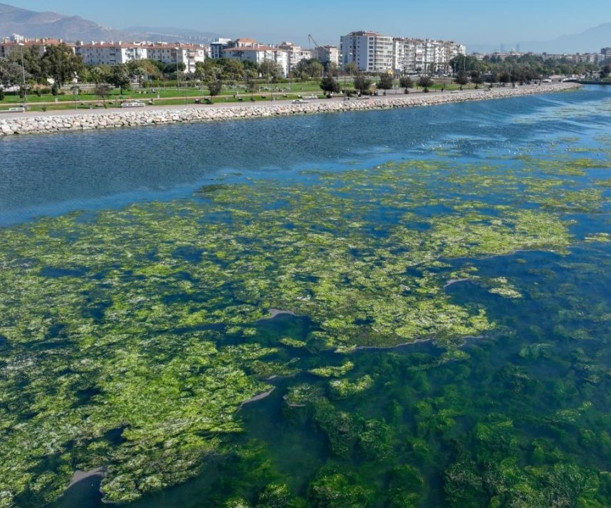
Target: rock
{"points": [[115, 119]]}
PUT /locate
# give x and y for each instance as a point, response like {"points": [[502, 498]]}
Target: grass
{"points": [[167, 96]]}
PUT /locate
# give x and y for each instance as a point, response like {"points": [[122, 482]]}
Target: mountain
{"points": [[74, 28], [170, 34], [51, 24], [590, 41]]}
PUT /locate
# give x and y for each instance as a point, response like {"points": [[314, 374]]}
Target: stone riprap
{"points": [[96, 119]]}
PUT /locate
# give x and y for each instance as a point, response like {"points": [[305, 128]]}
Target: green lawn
{"points": [[160, 96], [174, 95]]}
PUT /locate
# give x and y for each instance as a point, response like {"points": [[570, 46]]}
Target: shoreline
{"points": [[73, 121]]}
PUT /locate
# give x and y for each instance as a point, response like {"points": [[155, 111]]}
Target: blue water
{"points": [[51, 175]]}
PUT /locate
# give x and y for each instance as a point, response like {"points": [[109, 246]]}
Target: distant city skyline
{"points": [[480, 22]]}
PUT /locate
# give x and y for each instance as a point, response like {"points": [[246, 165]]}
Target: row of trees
{"points": [[513, 69], [57, 62], [363, 83]]}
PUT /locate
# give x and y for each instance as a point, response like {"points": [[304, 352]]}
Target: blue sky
{"points": [[468, 21]]}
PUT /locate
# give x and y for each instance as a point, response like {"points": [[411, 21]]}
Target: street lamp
{"points": [[25, 92], [177, 72]]}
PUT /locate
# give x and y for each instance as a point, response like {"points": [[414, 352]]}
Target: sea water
{"points": [[426, 291]]}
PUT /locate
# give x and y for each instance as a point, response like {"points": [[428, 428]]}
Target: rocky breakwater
{"points": [[31, 123]]}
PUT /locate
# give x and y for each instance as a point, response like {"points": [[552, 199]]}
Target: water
{"points": [[130, 280]]}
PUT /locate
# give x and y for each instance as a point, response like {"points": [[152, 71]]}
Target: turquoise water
{"points": [[443, 280]]}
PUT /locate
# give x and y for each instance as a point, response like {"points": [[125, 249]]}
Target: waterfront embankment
{"points": [[46, 123]]}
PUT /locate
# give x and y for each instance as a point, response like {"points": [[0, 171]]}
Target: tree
{"points": [[214, 87], [231, 70], [465, 63], [493, 77], [332, 69], [362, 83], [425, 82], [97, 75], [605, 71], [351, 68], [311, 68], [145, 70], [270, 70], [504, 78], [386, 81], [251, 84], [208, 70], [11, 73], [119, 77], [174, 69], [102, 91], [406, 82], [477, 78], [461, 78], [60, 63], [329, 84], [1, 94], [30, 57]]}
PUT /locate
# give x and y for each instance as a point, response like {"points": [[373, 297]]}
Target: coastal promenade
{"points": [[82, 120]]}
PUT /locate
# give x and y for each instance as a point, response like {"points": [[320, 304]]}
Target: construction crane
{"points": [[312, 41]]}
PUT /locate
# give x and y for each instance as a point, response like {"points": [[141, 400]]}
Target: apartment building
{"points": [[114, 53], [110, 53], [295, 54], [327, 54], [249, 50], [259, 54], [370, 51], [217, 47], [10, 46], [186, 54]]}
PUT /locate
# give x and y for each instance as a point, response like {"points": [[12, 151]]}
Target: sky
{"points": [[467, 21]]}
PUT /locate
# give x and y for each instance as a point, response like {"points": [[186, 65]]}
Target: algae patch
{"points": [[130, 341]]}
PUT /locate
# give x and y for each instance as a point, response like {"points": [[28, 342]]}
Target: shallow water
{"points": [[139, 267]]}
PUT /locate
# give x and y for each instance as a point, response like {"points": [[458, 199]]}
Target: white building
{"points": [[15, 44], [295, 54], [249, 50], [327, 54], [375, 53], [110, 53], [424, 55], [370, 51], [259, 54], [114, 53], [186, 54]]}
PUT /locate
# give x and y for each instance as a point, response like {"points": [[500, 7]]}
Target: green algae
{"points": [[131, 340], [338, 371], [598, 237]]}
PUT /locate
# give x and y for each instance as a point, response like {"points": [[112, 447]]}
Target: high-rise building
{"points": [[370, 51]]}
